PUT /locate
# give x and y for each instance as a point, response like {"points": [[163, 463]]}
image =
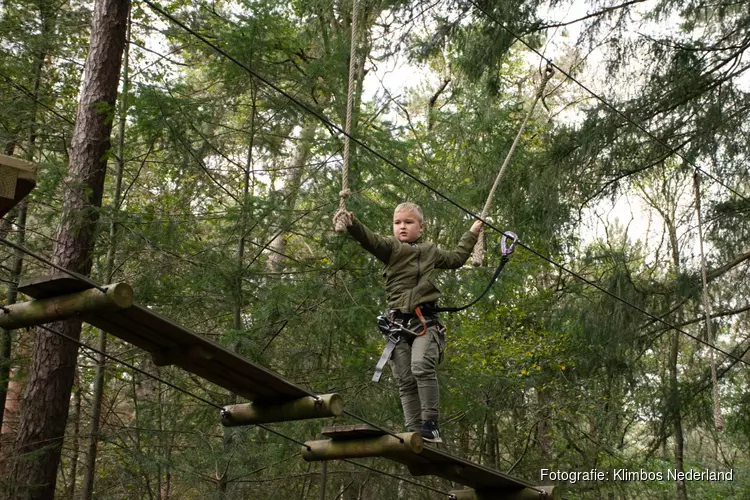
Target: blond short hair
{"points": [[410, 207]]}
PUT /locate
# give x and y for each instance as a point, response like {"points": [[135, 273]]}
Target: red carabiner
{"points": [[418, 312]]}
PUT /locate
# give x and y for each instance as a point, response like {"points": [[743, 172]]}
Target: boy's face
{"points": [[406, 226]]}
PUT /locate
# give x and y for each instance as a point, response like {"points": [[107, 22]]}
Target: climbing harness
{"points": [[478, 256], [397, 327], [392, 332], [505, 253], [395, 331]]}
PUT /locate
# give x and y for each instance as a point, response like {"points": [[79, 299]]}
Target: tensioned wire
{"points": [[199, 398], [159, 379], [333, 126], [447, 493], [604, 101], [416, 179], [215, 405], [330, 124], [206, 401], [412, 176], [104, 289], [293, 99]]}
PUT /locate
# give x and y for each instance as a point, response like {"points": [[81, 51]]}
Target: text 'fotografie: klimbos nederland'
{"points": [[636, 475]]}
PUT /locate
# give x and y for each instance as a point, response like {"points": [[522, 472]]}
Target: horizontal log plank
{"points": [[92, 301], [17, 179], [358, 441], [401, 445], [328, 405], [170, 343]]}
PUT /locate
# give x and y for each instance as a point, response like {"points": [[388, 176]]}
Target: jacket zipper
{"points": [[419, 271]]}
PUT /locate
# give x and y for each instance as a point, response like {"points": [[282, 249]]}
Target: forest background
{"points": [[217, 207]]}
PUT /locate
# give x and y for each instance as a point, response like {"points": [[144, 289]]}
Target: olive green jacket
{"points": [[410, 267]]}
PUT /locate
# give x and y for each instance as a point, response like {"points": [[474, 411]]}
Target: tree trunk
{"points": [[74, 439], [47, 394], [5, 344], [323, 480], [544, 429], [47, 19], [160, 427], [490, 433], [674, 401], [288, 194], [101, 360], [10, 390], [141, 393], [237, 308]]}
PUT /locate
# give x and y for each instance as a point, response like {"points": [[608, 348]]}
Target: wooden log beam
{"points": [[405, 445], [17, 179], [37, 312], [181, 354], [441, 470], [540, 493], [328, 405]]}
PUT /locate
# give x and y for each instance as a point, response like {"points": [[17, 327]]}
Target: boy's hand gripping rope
{"points": [[477, 257]]}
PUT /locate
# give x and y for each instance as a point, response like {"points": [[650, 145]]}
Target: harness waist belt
{"points": [[396, 331]]}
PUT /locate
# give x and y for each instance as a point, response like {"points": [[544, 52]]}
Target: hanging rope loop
{"points": [[549, 72], [477, 257], [339, 219]]}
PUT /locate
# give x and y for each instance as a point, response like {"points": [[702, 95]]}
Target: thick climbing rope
{"points": [[477, 257], [437, 192], [718, 419], [340, 218]]}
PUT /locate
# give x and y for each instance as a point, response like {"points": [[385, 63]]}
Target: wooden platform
{"points": [[172, 344], [350, 432], [17, 179], [358, 441]]}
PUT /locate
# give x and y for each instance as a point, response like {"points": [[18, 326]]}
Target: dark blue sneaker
{"points": [[430, 432]]}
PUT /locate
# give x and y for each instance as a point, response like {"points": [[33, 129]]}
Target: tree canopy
{"points": [[591, 351]]}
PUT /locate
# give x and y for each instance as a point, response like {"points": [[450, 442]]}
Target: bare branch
{"points": [[602, 12]]}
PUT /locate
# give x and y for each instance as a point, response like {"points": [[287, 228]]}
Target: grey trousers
{"points": [[413, 364]]}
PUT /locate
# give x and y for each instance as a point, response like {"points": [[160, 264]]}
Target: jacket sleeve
{"points": [[456, 258], [380, 246]]}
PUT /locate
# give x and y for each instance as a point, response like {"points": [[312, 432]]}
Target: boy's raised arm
{"points": [[456, 258], [380, 246]]}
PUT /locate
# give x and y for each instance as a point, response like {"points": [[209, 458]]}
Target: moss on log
{"points": [[91, 301], [381, 446]]}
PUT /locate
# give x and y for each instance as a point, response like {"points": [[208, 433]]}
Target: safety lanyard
{"points": [[506, 251]]}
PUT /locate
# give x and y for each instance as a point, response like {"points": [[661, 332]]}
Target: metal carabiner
{"points": [[508, 250], [549, 70]]}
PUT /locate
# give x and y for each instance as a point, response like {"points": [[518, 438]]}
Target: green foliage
{"points": [[546, 371]]}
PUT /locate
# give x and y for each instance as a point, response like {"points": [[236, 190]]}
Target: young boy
{"points": [[410, 266]]}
